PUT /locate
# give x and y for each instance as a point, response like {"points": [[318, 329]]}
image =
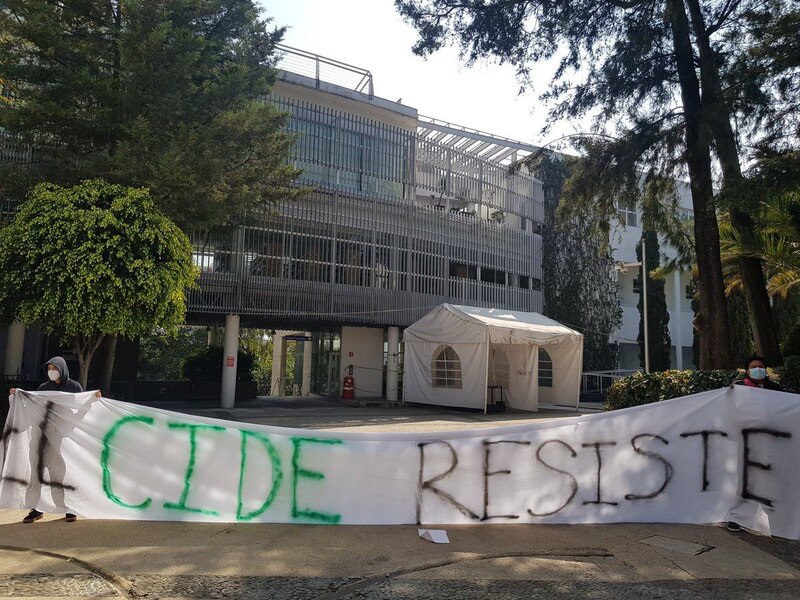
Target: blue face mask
{"points": [[758, 373]]}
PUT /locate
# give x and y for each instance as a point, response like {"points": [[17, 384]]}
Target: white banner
{"points": [[731, 454]]}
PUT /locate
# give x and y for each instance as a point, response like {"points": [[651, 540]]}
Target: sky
{"points": [[371, 34]]}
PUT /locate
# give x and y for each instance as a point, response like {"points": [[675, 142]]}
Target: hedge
{"points": [[641, 388], [206, 365]]}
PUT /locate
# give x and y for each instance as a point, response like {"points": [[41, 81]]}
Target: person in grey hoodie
{"points": [[46, 450], [58, 377]]}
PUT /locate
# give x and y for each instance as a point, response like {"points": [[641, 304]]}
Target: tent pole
{"points": [[486, 381]]}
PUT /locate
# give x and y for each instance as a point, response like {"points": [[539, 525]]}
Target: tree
{"points": [[164, 95], [658, 339], [632, 64], [93, 260], [576, 266], [161, 355]]}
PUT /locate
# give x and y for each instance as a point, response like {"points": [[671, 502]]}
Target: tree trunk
{"points": [[712, 318], [108, 371], [717, 114], [85, 347]]}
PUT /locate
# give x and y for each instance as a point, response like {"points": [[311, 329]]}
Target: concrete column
{"points": [[230, 357], [677, 333], [392, 363], [15, 346], [213, 336], [305, 389], [278, 364]]}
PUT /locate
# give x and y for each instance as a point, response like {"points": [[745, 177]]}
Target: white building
{"points": [[677, 289]]}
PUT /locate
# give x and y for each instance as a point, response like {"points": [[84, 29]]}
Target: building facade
{"points": [[404, 212]]}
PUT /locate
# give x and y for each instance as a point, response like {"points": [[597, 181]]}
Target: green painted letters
{"points": [[298, 472], [187, 479], [105, 458], [277, 474]]}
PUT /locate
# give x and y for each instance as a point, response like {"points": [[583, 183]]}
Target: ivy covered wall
{"points": [[580, 288]]}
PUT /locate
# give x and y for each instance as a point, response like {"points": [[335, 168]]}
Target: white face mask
{"points": [[53, 375], [758, 373]]}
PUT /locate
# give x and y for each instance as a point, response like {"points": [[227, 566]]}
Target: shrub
{"points": [[641, 388], [206, 365], [791, 347], [790, 374], [262, 375]]}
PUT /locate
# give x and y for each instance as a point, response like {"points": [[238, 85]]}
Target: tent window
{"points": [[446, 368], [545, 369]]}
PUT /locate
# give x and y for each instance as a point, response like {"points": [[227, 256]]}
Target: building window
{"points": [[493, 276], [536, 284], [545, 369], [637, 288], [524, 282], [463, 271], [627, 213], [446, 368]]}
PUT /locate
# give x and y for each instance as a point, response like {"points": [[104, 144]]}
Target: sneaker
{"points": [[734, 526], [34, 515], [70, 518]]}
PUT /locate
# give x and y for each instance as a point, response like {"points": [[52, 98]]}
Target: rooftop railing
{"points": [[321, 68]]}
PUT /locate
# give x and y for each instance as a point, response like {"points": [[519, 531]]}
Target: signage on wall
{"points": [[297, 338], [230, 361]]}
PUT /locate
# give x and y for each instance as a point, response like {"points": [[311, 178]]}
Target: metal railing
{"points": [[322, 68], [13, 150], [600, 381]]}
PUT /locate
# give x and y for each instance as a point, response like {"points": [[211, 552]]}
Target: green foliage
{"points": [[164, 95], [161, 355], [94, 259], [576, 267], [258, 342], [775, 241], [791, 347], [659, 342], [790, 374], [206, 365], [787, 319], [641, 388], [262, 375]]}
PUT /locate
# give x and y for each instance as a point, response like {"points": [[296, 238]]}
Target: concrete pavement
{"points": [[91, 559]]}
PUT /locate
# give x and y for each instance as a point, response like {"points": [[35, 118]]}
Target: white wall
{"points": [[623, 244], [366, 346]]}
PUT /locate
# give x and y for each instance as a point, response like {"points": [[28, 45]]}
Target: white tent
{"points": [[468, 356]]}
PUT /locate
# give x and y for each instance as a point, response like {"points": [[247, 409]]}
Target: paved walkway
{"points": [[328, 413], [90, 559]]}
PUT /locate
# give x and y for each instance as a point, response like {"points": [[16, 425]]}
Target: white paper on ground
{"points": [[437, 536]]}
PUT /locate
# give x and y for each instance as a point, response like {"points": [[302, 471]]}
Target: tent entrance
{"points": [[512, 374]]}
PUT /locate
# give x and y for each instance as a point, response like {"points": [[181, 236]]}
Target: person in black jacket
{"points": [[46, 448], [755, 375]]}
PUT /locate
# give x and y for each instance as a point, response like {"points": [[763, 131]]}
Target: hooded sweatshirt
{"points": [[65, 384]]}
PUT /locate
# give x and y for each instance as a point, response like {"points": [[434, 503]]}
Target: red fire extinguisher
{"points": [[348, 385]]}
